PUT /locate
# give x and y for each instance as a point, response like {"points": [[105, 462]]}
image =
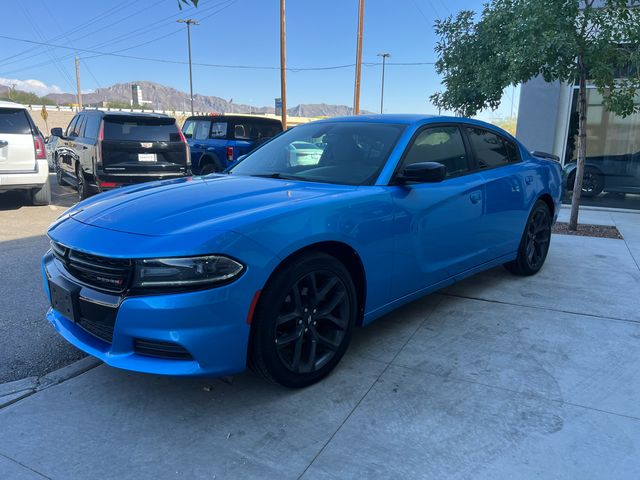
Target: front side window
{"points": [[346, 153], [71, 132], [440, 144], [490, 149]]}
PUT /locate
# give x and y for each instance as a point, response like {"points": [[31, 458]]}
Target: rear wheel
{"points": [[41, 196], [304, 321], [83, 188], [534, 244], [592, 183]]}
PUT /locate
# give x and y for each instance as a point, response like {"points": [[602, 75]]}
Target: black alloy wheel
{"points": [[83, 191], [592, 183], [304, 321], [534, 244], [312, 322], [59, 177]]}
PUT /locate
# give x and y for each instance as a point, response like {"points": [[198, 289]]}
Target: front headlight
{"points": [[185, 271]]}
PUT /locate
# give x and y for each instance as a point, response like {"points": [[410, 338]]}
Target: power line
{"points": [[131, 35]]}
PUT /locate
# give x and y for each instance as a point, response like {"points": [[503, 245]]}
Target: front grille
{"points": [[108, 274], [155, 348]]}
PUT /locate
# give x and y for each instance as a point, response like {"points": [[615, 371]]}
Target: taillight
{"points": [[230, 154], [38, 145], [99, 145], [186, 146]]}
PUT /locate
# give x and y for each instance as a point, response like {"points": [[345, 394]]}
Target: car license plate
{"points": [[63, 300], [147, 157]]}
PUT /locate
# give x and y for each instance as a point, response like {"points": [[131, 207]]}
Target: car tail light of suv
{"points": [[186, 146], [99, 145], [230, 154], [38, 145]]}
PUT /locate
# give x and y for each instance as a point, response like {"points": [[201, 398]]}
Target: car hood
{"points": [[213, 203]]}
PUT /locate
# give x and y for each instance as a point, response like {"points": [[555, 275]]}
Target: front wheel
{"points": [[83, 188], [304, 321], [534, 244]]}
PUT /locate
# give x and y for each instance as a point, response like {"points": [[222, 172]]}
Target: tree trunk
{"points": [[582, 148]]}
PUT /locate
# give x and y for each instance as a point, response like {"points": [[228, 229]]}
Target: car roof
{"points": [[413, 119], [8, 104], [117, 113], [235, 118]]}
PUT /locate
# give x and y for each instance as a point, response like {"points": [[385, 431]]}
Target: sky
{"points": [[320, 33]]}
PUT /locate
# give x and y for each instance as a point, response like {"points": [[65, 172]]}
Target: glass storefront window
{"points": [[612, 174]]}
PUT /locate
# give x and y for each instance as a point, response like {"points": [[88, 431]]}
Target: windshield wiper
{"points": [[277, 175]]}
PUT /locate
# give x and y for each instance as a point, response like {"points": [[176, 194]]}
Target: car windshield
{"points": [[347, 153]]}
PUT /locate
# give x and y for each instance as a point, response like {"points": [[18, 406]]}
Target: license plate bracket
{"points": [[64, 298], [147, 157]]}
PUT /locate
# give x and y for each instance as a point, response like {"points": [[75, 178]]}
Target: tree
{"points": [[560, 40]]}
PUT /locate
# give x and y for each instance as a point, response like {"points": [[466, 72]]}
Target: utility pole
{"points": [[79, 94], [189, 22], [384, 58], [356, 93], [283, 65]]}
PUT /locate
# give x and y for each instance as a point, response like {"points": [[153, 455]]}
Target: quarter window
{"points": [[440, 144], [491, 150]]}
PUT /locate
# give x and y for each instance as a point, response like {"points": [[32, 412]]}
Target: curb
{"points": [[12, 392]]}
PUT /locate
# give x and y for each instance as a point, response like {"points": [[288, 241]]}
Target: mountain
{"points": [[168, 98]]}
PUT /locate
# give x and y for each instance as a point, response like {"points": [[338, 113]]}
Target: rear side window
{"points": [[491, 150], [255, 130], [14, 121], [92, 126], [141, 130]]}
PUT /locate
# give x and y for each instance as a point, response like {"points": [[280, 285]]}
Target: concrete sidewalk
{"points": [[496, 377]]}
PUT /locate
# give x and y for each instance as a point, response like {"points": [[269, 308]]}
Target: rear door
{"points": [[142, 145], [17, 152]]}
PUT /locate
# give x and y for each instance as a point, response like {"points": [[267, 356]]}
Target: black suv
{"points": [[103, 150]]}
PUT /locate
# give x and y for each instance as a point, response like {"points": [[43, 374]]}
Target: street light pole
{"points": [[283, 65], [356, 89], [189, 22], [384, 59]]}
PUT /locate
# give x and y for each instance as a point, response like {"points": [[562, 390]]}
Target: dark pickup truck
{"points": [[102, 150], [217, 141]]}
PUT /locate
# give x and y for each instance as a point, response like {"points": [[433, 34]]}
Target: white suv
{"points": [[23, 156]]}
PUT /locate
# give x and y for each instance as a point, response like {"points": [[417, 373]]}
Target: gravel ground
{"points": [[601, 231], [28, 344]]}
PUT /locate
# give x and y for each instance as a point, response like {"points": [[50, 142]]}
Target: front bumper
{"points": [[208, 324]]}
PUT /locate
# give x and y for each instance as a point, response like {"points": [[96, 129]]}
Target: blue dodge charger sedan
{"points": [[275, 262]]}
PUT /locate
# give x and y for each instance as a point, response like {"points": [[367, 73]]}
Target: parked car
{"points": [[304, 153], [607, 173], [50, 144], [216, 141], [276, 264], [23, 159], [102, 150]]}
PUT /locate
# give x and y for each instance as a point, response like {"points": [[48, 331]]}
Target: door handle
{"points": [[475, 197], [528, 180]]}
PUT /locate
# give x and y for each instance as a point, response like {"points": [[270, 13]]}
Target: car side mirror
{"points": [[57, 132], [188, 135], [423, 172]]}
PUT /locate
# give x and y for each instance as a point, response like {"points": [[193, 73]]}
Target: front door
{"points": [[436, 222]]}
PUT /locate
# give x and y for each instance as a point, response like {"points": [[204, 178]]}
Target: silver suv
{"points": [[23, 156]]}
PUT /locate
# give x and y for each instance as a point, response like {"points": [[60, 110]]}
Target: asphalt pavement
{"points": [[29, 346]]}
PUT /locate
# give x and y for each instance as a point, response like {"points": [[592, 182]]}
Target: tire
{"points": [[207, 169], [304, 321], [82, 187], [592, 183], [534, 244], [59, 176], [41, 196]]}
